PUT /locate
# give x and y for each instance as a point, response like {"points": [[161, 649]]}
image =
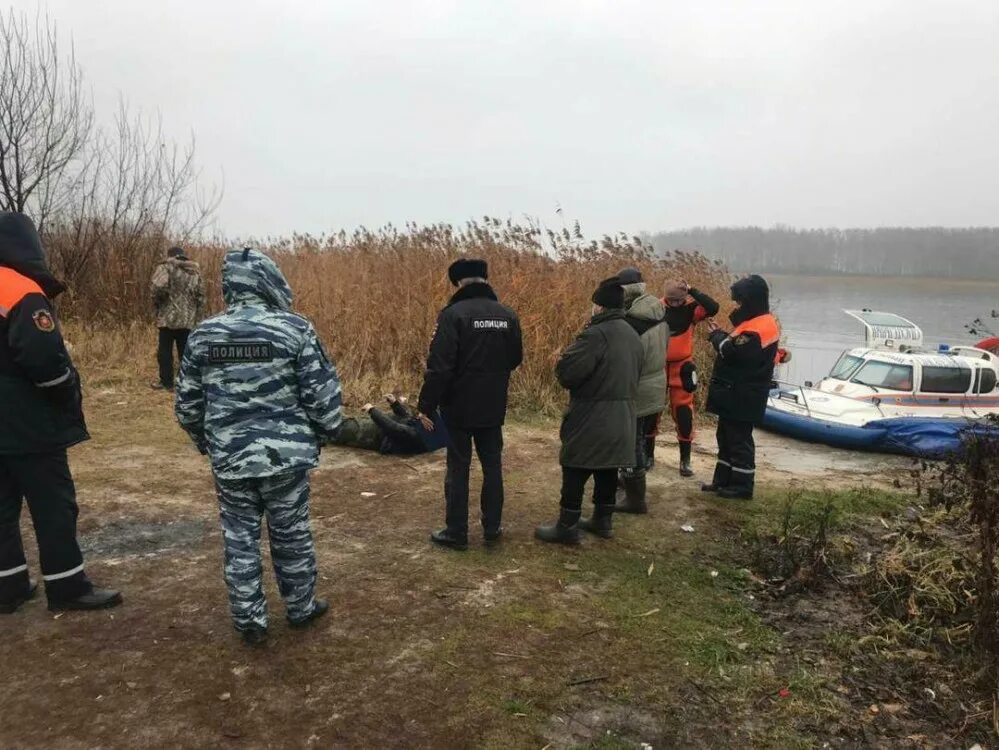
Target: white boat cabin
{"points": [[894, 372]]}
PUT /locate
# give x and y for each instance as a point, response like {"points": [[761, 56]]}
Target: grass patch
{"points": [[845, 507]]}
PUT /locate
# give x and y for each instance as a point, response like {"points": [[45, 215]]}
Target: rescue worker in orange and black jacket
{"points": [[41, 415], [685, 308], [740, 385]]}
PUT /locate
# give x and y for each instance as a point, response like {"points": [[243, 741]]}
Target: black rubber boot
{"points": [[254, 636], [633, 500], [9, 608], [686, 470], [559, 534], [321, 608], [563, 531], [650, 453], [94, 599], [707, 487], [601, 523], [445, 538]]}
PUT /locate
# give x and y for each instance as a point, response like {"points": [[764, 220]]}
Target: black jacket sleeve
{"points": [[711, 307], [441, 363], [38, 349], [746, 348], [516, 345]]}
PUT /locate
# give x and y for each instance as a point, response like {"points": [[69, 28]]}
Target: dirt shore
{"points": [[522, 646]]}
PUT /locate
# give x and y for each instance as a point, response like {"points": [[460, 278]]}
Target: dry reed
{"points": [[374, 296]]}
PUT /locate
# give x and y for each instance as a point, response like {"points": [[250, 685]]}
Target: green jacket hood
{"points": [[644, 306]]}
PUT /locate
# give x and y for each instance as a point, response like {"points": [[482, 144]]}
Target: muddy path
{"points": [[522, 646]]}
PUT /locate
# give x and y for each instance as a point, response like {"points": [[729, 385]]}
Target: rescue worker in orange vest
{"points": [[41, 415], [740, 385], [685, 308]]}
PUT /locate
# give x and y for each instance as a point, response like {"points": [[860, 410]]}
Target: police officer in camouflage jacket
{"points": [[258, 395]]}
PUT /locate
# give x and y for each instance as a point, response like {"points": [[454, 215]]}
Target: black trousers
{"points": [[488, 443], [736, 466], [574, 483], [43, 481], [169, 339]]}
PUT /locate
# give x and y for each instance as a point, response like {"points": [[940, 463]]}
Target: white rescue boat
{"points": [[892, 394]]}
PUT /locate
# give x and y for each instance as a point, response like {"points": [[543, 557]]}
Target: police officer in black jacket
{"points": [[41, 415], [475, 347]]}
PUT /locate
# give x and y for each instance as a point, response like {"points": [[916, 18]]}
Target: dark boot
{"points": [[254, 636], [650, 453], [559, 534], [686, 470], [94, 599], [9, 608], [563, 531], [600, 523], [722, 478], [492, 538], [450, 540], [633, 500], [321, 608]]}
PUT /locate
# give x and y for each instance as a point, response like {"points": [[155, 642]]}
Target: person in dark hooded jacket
{"points": [[740, 385], [601, 370], [41, 415]]}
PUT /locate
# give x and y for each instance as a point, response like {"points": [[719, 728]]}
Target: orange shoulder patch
{"points": [[13, 288]]}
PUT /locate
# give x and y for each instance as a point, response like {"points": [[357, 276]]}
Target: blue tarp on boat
{"points": [[926, 437]]}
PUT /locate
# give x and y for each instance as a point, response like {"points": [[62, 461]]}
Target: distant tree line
{"points": [[971, 253]]}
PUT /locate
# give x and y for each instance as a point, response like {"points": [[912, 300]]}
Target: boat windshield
{"points": [[845, 367], [885, 375]]}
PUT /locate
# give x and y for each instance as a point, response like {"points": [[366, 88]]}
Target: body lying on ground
{"points": [[399, 433]]}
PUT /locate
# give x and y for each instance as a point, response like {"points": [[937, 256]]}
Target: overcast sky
{"points": [[630, 114]]}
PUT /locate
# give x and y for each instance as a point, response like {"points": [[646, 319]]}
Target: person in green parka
{"points": [[601, 370], [647, 315]]}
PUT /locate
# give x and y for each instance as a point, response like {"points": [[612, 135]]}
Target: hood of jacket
{"points": [[645, 307], [752, 294], [632, 292], [21, 250], [182, 264], [251, 278]]}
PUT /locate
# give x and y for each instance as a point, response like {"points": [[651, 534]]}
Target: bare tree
{"points": [[46, 118], [134, 191]]}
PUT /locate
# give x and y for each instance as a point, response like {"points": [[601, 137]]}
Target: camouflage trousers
{"points": [[284, 499]]}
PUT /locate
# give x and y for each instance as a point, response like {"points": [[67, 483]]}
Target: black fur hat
{"points": [[630, 275], [609, 294], [467, 268]]}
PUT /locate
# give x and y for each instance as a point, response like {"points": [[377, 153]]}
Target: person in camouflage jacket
{"points": [[178, 300], [259, 396]]}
